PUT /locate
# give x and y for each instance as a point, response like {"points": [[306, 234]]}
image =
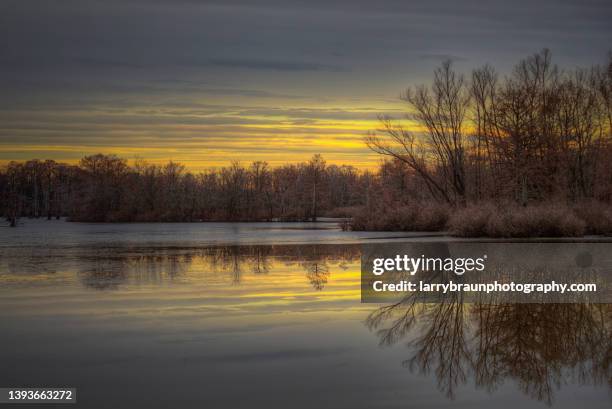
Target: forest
{"points": [[523, 154], [105, 188]]}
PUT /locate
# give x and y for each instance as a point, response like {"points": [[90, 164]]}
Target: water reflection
{"points": [[262, 305], [104, 271], [540, 347]]}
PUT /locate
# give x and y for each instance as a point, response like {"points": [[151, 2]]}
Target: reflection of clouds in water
{"points": [[539, 346], [154, 266], [103, 274]]}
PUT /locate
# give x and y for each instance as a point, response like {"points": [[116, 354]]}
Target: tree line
{"points": [[106, 188]]}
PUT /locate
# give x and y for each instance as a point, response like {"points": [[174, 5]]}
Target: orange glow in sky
{"points": [[205, 135]]}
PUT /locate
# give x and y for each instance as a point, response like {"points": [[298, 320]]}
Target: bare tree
{"points": [[440, 110]]}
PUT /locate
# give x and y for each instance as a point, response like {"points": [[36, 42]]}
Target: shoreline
{"points": [[324, 224]]}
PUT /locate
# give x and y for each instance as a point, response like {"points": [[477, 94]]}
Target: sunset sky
{"points": [[206, 82]]}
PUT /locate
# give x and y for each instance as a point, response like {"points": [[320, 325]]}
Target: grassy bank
{"points": [[490, 220]]}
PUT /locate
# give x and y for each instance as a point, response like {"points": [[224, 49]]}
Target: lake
{"points": [[249, 315]]}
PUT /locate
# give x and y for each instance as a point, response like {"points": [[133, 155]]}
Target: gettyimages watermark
{"points": [[495, 272]]}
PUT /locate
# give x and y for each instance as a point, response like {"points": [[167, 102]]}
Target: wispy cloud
{"points": [[441, 57], [252, 93], [106, 63], [275, 65]]}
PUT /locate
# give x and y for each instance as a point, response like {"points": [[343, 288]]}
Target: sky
{"points": [[208, 82]]}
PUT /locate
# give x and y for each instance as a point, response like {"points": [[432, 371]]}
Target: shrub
{"points": [[432, 217], [359, 222], [471, 221], [413, 217], [546, 220], [596, 215], [348, 211], [490, 220], [535, 221]]}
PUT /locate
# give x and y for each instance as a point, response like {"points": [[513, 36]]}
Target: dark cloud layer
{"points": [[274, 65], [272, 58], [223, 40]]}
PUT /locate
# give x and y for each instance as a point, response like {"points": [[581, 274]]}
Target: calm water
{"points": [[269, 315]]}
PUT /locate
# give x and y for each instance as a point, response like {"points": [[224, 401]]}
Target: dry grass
{"points": [[348, 211], [416, 217], [596, 215], [471, 221], [544, 220], [490, 220]]}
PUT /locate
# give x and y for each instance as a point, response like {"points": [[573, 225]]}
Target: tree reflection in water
{"points": [[108, 269], [539, 346]]}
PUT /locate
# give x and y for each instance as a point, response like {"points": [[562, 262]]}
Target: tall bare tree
{"points": [[437, 153]]}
